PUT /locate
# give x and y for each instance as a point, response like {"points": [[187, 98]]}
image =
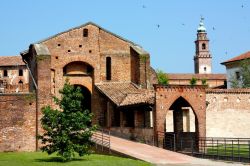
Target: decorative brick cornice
{"points": [[179, 88], [221, 91]]}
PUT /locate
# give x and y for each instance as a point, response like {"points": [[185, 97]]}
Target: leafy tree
{"points": [[67, 131], [193, 81], [204, 81], [244, 80], [235, 83], [162, 77]]}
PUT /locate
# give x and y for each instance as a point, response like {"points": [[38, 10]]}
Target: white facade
{"points": [[232, 73]]}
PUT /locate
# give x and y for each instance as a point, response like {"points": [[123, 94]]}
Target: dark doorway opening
{"points": [[86, 102]]}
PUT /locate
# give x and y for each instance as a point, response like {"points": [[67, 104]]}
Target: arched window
{"points": [[203, 46], [108, 68], [205, 68], [20, 82]]}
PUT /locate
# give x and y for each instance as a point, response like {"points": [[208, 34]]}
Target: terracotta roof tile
{"points": [[124, 94], [173, 76], [238, 58], [11, 60]]}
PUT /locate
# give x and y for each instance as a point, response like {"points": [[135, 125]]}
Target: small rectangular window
{"points": [[237, 75], [85, 32], [108, 68], [20, 72], [5, 73]]}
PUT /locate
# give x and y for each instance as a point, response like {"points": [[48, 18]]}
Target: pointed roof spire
{"points": [[201, 27]]}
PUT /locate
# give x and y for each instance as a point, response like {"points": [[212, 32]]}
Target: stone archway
{"points": [[174, 96]]}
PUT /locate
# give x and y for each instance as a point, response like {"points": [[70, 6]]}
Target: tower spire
{"points": [[202, 58], [201, 27]]}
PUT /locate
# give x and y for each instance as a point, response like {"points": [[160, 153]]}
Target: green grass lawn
{"points": [[229, 150], [42, 159]]}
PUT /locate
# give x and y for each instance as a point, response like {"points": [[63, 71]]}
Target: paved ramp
{"points": [[160, 156]]}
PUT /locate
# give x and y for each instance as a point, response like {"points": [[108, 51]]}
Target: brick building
{"points": [[14, 76], [114, 74], [120, 89]]}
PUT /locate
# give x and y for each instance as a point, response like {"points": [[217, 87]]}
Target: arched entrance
{"points": [[180, 125], [184, 107], [81, 74], [86, 102]]}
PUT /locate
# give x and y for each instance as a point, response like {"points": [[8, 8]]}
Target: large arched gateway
{"points": [[80, 74], [180, 112]]}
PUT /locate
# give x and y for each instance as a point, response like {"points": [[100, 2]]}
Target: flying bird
{"points": [[183, 24], [158, 25], [143, 6], [213, 28], [242, 6]]}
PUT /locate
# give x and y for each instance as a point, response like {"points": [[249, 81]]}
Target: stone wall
{"points": [[17, 122], [228, 113]]}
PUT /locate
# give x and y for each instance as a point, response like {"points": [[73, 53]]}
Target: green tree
{"points": [[67, 131], [244, 80], [193, 81], [204, 81], [162, 77]]}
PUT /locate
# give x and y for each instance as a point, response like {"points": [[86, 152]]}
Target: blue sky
{"points": [[171, 45]]}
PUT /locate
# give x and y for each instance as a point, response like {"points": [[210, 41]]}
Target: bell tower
{"points": [[202, 58]]}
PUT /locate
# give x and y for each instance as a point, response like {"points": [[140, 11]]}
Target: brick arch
{"points": [[83, 82], [167, 95], [186, 98], [84, 59]]}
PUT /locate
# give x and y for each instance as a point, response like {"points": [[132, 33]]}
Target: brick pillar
{"points": [[144, 65], [43, 80], [121, 119], [108, 115]]}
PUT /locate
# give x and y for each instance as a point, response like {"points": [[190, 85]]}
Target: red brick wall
{"points": [[167, 95], [17, 122]]}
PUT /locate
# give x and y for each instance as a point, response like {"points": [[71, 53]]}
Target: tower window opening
{"points": [[20, 72], [203, 46], [108, 68], [85, 32], [5, 73], [205, 68]]}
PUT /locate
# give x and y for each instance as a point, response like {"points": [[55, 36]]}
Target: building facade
{"points": [[233, 67], [14, 76]]}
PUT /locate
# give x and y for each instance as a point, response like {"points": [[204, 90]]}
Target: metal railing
{"points": [[101, 138], [218, 148]]}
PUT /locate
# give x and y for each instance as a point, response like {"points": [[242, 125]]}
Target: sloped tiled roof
{"points": [[173, 76], [11, 60], [125, 94], [238, 58]]}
